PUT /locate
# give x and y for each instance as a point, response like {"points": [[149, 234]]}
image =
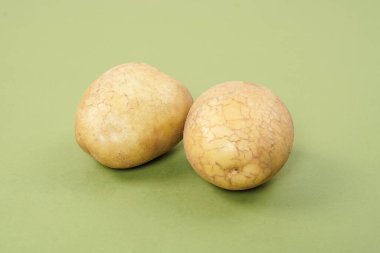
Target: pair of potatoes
{"points": [[237, 135]]}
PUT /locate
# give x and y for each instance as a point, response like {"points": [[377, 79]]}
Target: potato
{"points": [[238, 135], [131, 114]]}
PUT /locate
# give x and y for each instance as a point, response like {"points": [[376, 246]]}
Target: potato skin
{"points": [[238, 135], [130, 115]]}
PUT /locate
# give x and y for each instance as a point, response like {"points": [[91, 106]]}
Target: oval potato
{"points": [[131, 114]]}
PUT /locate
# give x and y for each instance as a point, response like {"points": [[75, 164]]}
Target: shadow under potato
{"points": [[306, 182], [167, 166]]}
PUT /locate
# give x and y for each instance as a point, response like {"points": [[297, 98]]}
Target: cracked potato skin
{"points": [[131, 114], [238, 135]]}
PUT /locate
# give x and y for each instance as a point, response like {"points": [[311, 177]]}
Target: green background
{"points": [[320, 57]]}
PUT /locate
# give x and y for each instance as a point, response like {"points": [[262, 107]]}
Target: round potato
{"points": [[238, 135], [131, 114]]}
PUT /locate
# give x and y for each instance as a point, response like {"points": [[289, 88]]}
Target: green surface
{"points": [[320, 57]]}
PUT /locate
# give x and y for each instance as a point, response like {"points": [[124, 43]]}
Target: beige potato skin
{"points": [[238, 135], [130, 115]]}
